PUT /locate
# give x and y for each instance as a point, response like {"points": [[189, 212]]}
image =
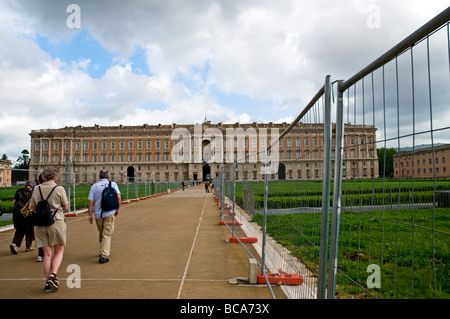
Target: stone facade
{"points": [[153, 152], [5, 173], [423, 163]]}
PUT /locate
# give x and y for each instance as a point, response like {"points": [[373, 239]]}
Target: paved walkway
{"points": [[166, 247]]}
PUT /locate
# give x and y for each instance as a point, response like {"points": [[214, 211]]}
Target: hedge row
{"points": [[347, 199]]}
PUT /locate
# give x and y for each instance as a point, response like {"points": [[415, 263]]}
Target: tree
{"points": [[20, 171], [23, 162], [386, 168]]}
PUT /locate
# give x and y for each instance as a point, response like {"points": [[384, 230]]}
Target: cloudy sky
{"points": [[177, 61]]}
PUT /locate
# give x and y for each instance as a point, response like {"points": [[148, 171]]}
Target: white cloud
{"points": [[272, 51]]}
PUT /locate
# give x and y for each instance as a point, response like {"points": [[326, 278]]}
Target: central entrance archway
{"points": [[282, 172], [130, 174], [206, 172]]}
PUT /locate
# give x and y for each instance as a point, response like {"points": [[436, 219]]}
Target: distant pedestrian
{"points": [[182, 185], [22, 221], [207, 186], [52, 239], [104, 219]]}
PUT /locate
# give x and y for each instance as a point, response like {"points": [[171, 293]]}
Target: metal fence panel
{"points": [[358, 202], [389, 235]]}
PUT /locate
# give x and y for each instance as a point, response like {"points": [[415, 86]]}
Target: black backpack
{"points": [[43, 215], [109, 199]]}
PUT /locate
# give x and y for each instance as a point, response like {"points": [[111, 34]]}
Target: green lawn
{"points": [[412, 247], [82, 193], [288, 194]]}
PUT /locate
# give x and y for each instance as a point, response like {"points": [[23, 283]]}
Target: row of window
{"points": [[307, 173], [113, 169], [139, 144], [104, 145], [107, 158], [122, 177], [424, 171], [86, 158], [424, 162]]}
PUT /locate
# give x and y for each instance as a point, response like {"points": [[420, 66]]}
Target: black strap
{"points": [[101, 214], [42, 197]]}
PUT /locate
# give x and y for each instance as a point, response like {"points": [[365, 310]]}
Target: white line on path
{"points": [[190, 253]]}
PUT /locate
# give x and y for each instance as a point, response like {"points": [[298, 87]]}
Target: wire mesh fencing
{"points": [[77, 192], [393, 237], [358, 203], [353, 196]]}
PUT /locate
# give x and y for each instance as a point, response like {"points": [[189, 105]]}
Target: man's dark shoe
{"points": [[103, 260]]}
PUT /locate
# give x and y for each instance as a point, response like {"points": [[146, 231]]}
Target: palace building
{"points": [[423, 163], [5, 173], [197, 152]]}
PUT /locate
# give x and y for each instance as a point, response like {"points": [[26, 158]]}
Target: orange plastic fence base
{"points": [[283, 279], [247, 240], [228, 223]]}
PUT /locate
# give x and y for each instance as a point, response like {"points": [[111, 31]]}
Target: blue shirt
{"points": [[95, 194]]}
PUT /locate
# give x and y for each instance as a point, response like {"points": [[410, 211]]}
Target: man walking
{"points": [[104, 219]]}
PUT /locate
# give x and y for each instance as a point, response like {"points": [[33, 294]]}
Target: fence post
{"points": [[74, 195], [321, 290], [127, 186], [222, 194], [337, 194], [266, 191], [244, 169], [234, 195]]}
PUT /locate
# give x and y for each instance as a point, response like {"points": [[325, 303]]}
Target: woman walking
{"points": [[22, 224], [51, 239]]}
